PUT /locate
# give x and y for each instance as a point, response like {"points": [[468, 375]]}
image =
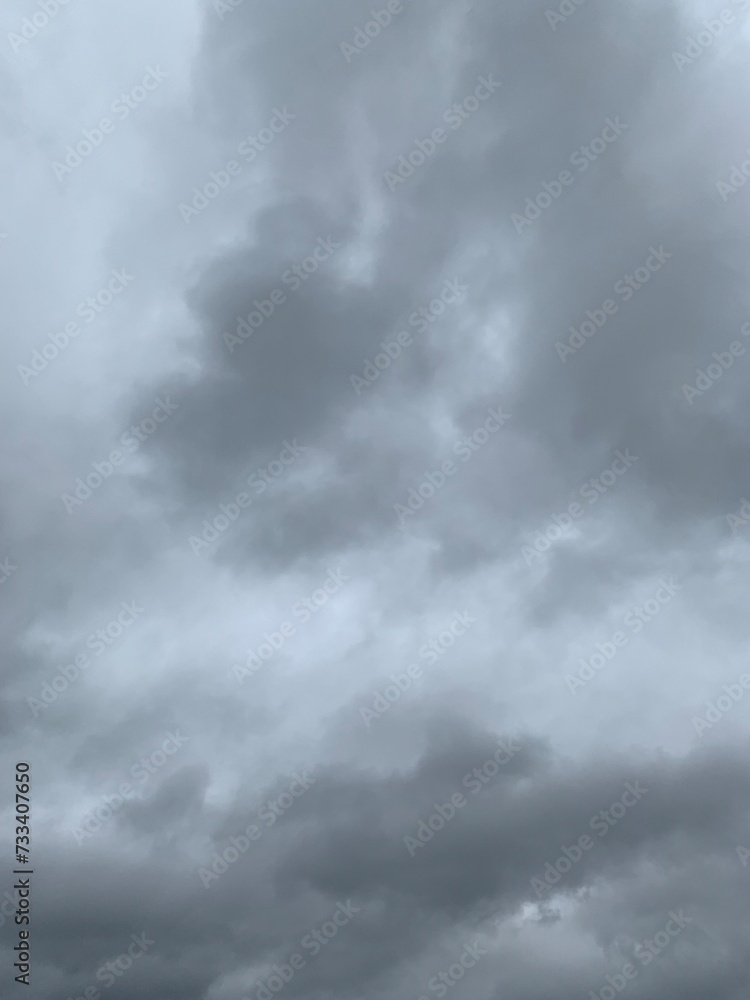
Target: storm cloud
{"points": [[374, 498]]}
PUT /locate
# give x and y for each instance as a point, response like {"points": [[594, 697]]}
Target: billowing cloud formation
{"points": [[374, 498]]}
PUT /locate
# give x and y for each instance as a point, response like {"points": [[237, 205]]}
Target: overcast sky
{"points": [[375, 478]]}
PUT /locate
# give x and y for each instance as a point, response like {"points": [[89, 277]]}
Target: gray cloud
{"points": [[332, 401]]}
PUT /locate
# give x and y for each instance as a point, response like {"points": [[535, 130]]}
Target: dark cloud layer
{"points": [[480, 430]]}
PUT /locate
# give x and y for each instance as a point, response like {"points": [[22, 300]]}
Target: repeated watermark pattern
{"points": [[293, 277], [303, 610], [431, 651], [737, 179], [566, 9], [313, 942], [417, 489], [111, 804], [707, 377], [465, 449], [625, 288], [440, 984], [455, 116], [558, 525], [420, 320], [601, 823], [7, 569], [712, 28], [121, 108], [97, 642], [644, 952], [259, 481], [716, 710], [88, 310], [35, 22], [131, 441], [365, 34], [224, 7], [582, 158], [473, 781], [741, 519], [634, 620], [219, 180], [268, 814], [111, 970]]}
